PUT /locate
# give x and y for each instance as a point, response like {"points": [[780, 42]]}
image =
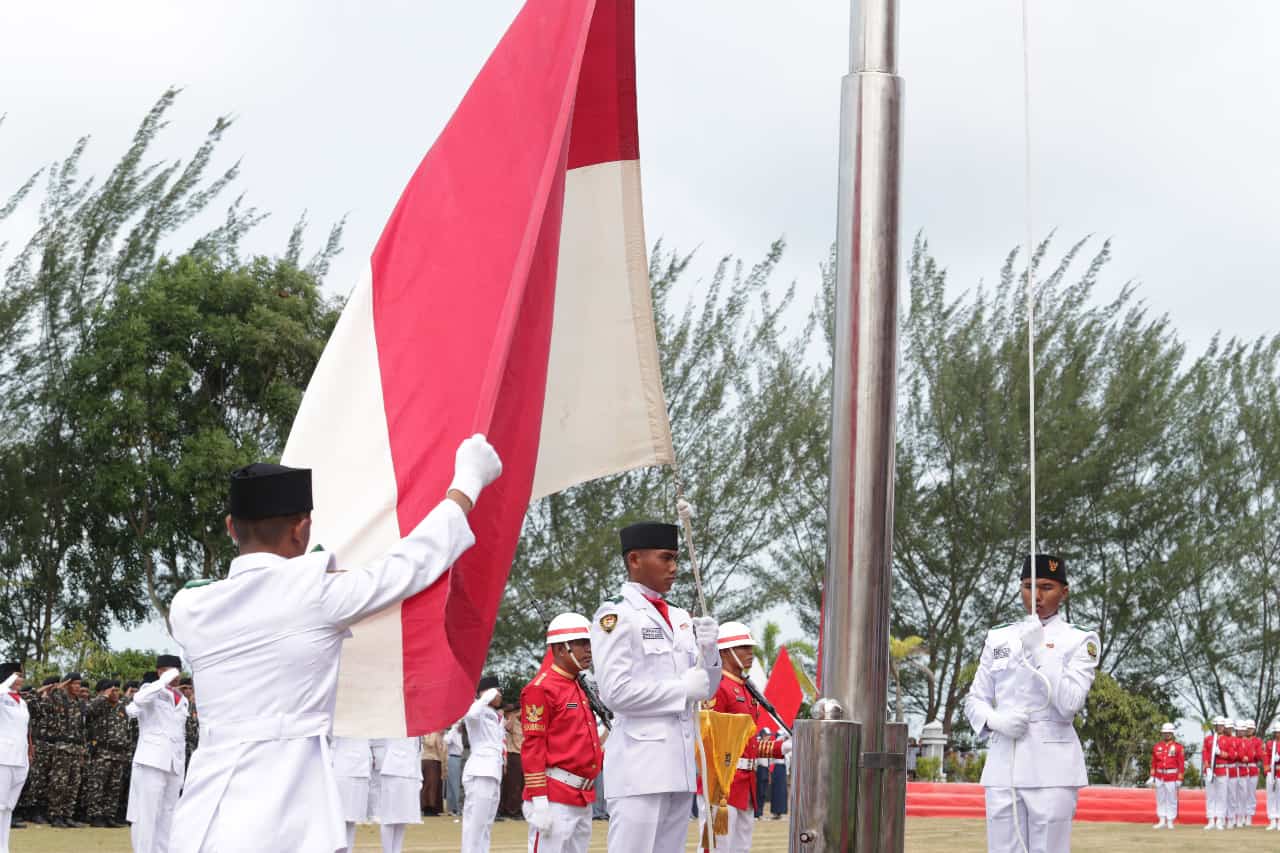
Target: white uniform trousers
{"points": [[742, 822], [1215, 790], [570, 829], [479, 808], [650, 823], [1273, 798], [1249, 794], [1044, 819], [392, 835], [12, 778], [153, 797], [1235, 802], [1166, 799]]}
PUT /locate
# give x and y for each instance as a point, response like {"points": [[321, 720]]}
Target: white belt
{"points": [[746, 764], [257, 729], [573, 780]]}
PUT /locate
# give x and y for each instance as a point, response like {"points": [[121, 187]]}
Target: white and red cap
{"points": [[568, 627], [733, 635], [1167, 729]]}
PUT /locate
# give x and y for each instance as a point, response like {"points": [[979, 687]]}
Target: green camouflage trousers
{"points": [[103, 782], [64, 779], [35, 793]]}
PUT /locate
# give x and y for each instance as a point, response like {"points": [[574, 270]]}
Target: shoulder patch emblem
{"points": [[609, 621], [1092, 648], [199, 582], [533, 713]]}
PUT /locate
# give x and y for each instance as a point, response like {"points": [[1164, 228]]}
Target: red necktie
{"points": [[16, 697], [660, 605], [177, 697]]}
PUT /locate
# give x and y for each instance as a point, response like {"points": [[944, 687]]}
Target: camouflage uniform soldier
{"points": [[108, 730], [187, 687], [130, 688], [66, 730], [37, 790]]}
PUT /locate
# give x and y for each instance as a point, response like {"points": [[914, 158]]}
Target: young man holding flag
{"points": [[654, 664], [264, 646]]}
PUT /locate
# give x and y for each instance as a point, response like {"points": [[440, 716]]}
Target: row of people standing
{"points": [[1233, 757]]}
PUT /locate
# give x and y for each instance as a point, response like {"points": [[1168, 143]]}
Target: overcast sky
{"points": [[1155, 124]]}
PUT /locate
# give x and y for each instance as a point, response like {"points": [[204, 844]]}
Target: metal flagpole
{"points": [[850, 762]]}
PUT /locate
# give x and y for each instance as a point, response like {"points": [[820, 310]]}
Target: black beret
{"points": [[131, 685], [1048, 567], [149, 677], [72, 676], [485, 683], [103, 684], [171, 661], [52, 679], [263, 490], [650, 534], [9, 668]]}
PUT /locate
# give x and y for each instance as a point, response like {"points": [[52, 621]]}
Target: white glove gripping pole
{"points": [[685, 510]]}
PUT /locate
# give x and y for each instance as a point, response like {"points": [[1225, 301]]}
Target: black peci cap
{"points": [[170, 661], [263, 490], [1048, 567], [650, 534]]}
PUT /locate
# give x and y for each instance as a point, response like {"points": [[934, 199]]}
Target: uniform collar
{"points": [[645, 591], [560, 672], [254, 561], [1052, 620], [729, 675], [639, 594]]}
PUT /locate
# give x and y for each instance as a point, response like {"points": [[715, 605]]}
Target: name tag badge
{"points": [[999, 658], [571, 704], [652, 634]]}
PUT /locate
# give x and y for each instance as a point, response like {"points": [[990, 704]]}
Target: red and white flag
{"points": [[508, 295], [783, 692]]}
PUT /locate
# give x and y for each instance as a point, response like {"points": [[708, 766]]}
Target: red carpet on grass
{"points": [[1113, 805]]}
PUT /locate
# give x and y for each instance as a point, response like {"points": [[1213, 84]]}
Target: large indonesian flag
{"points": [[508, 295]]}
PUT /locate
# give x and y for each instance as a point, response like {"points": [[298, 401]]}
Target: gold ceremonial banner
{"points": [[724, 737]]}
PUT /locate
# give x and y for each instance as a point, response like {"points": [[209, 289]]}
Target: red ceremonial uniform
{"points": [[1268, 763], [559, 732], [1229, 753], [1219, 764], [1168, 761], [1252, 753], [732, 698]]}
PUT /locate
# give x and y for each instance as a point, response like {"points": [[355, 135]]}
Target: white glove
{"points": [[489, 695], [697, 686], [8, 682], [170, 676], [1177, 784], [1216, 751], [684, 509], [1011, 724], [1031, 635], [786, 747], [706, 633], [475, 465], [540, 815], [1151, 781]]}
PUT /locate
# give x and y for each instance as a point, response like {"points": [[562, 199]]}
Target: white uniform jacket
{"points": [[403, 758], [639, 664], [351, 757], [1049, 754], [162, 728], [264, 647], [15, 720], [487, 737]]}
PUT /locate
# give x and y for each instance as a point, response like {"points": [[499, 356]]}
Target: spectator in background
{"points": [[433, 759], [762, 776], [453, 773], [513, 774]]}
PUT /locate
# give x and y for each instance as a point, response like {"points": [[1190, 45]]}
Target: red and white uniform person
{"points": [[561, 755], [1252, 756], [732, 697], [14, 740], [159, 761], [1216, 756], [1168, 763], [482, 774], [1271, 767]]}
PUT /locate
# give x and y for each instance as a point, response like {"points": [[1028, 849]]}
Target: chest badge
{"points": [[1092, 648], [608, 622]]}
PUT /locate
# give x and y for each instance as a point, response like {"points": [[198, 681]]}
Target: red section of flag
{"points": [[463, 297], [783, 690], [604, 116]]}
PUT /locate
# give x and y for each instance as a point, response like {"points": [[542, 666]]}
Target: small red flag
{"points": [[783, 690]]}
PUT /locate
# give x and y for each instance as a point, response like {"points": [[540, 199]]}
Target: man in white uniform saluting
{"points": [[1033, 678], [482, 775], [159, 759], [264, 646]]}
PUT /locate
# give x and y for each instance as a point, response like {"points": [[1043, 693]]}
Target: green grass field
{"points": [[924, 835]]}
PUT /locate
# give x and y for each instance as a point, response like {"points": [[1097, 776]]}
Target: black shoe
{"points": [[16, 823], [75, 824], [116, 824], [58, 823], [38, 817], [100, 822]]}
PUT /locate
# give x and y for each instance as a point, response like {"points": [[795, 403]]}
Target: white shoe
{"points": [[1210, 824], [1169, 825], [1159, 824]]}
